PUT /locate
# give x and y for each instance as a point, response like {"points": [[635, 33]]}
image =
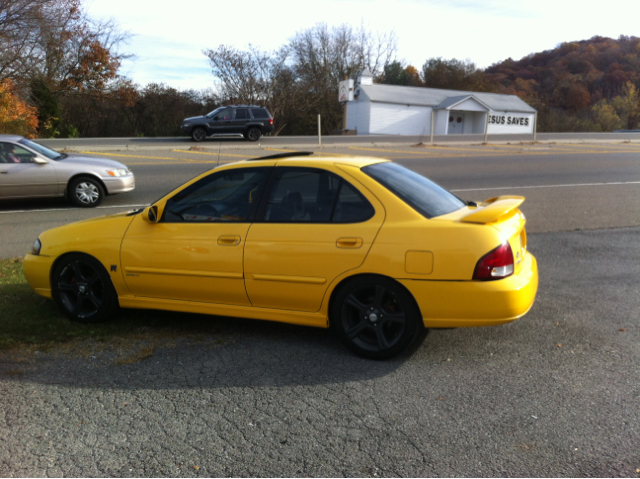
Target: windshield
{"points": [[43, 150], [210, 115], [422, 194]]}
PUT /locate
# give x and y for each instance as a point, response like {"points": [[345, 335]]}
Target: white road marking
{"points": [[76, 209], [551, 186]]}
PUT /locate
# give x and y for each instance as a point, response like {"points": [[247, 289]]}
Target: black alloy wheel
{"points": [[253, 134], [375, 317], [198, 134], [86, 192], [83, 290]]}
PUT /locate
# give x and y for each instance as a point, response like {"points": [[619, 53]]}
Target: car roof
{"points": [[309, 160], [10, 138]]}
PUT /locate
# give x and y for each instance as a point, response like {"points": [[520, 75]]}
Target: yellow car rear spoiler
{"points": [[492, 209]]}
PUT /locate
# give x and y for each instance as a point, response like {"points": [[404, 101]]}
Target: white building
{"points": [[403, 110]]}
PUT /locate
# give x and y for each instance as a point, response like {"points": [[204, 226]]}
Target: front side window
{"points": [[223, 114], [306, 195], [423, 195], [228, 196], [214, 112], [10, 153]]}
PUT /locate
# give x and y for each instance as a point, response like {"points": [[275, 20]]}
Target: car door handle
{"points": [[349, 242], [229, 240]]}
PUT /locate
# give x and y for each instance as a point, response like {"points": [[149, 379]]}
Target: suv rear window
{"points": [[259, 113], [422, 194]]}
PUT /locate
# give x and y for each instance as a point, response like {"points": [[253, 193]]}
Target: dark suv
{"points": [[250, 121]]}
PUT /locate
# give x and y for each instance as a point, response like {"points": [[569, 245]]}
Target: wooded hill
{"points": [[589, 85]]}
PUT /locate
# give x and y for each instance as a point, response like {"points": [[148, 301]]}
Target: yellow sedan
{"points": [[362, 245]]}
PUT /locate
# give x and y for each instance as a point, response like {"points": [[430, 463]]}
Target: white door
{"points": [[456, 123]]}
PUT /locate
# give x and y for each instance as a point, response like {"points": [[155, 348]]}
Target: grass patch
{"points": [[31, 322]]}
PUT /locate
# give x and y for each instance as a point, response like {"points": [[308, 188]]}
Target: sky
{"points": [[167, 42]]}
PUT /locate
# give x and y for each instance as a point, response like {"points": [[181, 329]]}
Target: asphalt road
{"points": [[568, 187], [553, 394]]}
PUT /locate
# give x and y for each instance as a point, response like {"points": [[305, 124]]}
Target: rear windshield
{"points": [[420, 193]]}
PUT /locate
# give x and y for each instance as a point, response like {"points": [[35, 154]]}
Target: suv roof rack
{"points": [[283, 155]]}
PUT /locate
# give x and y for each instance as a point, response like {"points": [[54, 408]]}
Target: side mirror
{"points": [[150, 214], [39, 161]]}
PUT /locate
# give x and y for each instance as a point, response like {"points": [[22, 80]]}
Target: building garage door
{"points": [[390, 119]]}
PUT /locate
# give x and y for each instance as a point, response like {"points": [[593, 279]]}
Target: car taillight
{"points": [[271, 121], [496, 264]]}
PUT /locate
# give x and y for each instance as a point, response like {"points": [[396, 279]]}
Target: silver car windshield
{"points": [[43, 150]]}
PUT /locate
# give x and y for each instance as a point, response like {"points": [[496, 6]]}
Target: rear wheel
{"points": [[86, 192], [375, 317], [253, 134], [83, 290], [198, 134]]}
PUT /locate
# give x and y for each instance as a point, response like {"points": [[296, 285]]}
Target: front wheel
{"points": [[375, 317], [86, 192], [253, 134], [198, 134], [83, 290]]}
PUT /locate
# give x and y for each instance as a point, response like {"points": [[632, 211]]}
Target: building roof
{"points": [[442, 99]]}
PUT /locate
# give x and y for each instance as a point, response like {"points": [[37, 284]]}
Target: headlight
{"points": [[186, 123], [35, 249], [118, 172]]}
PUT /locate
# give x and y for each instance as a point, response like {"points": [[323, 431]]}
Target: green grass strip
{"points": [[29, 320]]}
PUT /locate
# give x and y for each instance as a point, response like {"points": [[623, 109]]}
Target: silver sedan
{"points": [[30, 170]]}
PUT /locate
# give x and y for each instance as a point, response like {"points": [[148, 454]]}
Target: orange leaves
{"points": [[16, 117], [95, 67]]}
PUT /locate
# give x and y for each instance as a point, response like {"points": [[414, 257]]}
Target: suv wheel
{"points": [[253, 134], [198, 134]]}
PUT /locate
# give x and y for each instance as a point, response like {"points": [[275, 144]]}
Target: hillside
{"points": [[584, 85]]}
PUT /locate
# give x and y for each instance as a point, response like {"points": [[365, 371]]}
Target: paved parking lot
{"points": [[553, 394]]}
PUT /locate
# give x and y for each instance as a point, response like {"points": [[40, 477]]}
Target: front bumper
{"points": [[37, 270], [120, 184], [452, 304]]}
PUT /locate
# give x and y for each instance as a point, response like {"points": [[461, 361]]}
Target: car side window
{"points": [[306, 195], [242, 114], [226, 196], [10, 153], [223, 114], [259, 113], [351, 206]]}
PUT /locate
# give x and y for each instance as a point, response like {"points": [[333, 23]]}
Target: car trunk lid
{"points": [[503, 214]]}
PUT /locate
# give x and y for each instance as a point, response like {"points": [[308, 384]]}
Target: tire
{"points": [[83, 289], [375, 317], [86, 192], [198, 134], [253, 134]]}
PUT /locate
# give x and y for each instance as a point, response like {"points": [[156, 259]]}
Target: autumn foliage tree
{"points": [[395, 73], [588, 85], [53, 48], [16, 117]]}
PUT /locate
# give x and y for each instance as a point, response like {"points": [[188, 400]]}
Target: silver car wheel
{"points": [[87, 193]]}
